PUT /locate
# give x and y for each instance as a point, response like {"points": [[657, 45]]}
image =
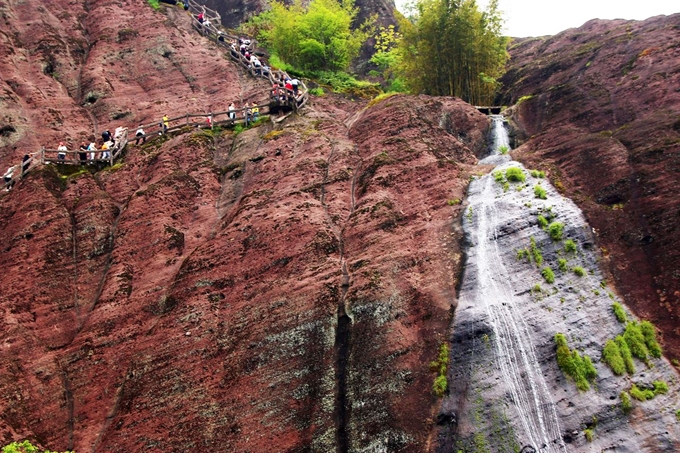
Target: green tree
{"points": [[316, 37], [452, 48]]}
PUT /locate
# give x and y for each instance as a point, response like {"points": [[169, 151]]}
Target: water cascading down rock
{"points": [[506, 392]]}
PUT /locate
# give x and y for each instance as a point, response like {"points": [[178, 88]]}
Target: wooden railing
{"points": [[79, 157], [280, 99]]}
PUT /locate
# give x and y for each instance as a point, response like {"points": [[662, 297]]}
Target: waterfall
{"points": [[499, 134], [499, 142], [515, 353], [491, 306]]}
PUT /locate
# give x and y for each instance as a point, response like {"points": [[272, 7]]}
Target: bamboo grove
{"points": [[451, 48]]}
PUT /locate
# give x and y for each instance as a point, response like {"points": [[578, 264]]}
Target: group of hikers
{"points": [[284, 91], [88, 153]]}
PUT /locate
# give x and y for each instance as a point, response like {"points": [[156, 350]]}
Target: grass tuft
{"points": [[572, 364], [619, 312], [440, 367], [555, 230], [515, 174], [540, 192], [570, 246], [562, 264], [548, 275], [626, 403], [578, 270], [611, 355]]}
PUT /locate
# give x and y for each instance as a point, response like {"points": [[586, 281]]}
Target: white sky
{"points": [[544, 17]]}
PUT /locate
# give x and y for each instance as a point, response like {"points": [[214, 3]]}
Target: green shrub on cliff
{"points": [[636, 341], [555, 230], [562, 264], [577, 367], [548, 275], [540, 192], [535, 252], [641, 394], [25, 447], [542, 222], [569, 246], [155, 4], [515, 174], [626, 404], [611, 354], [440, 367], [649, 332], [625, 354], [316, 36], [619, 312], [578, 270]]}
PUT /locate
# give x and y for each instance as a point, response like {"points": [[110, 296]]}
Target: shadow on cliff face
{"points": [[597, 109]]}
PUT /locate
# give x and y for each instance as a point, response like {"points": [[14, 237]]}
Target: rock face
{"points": [[506, 391], [71, 70], [598, 108], [281, 289]]}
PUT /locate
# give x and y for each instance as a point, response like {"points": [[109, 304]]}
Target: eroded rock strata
{"points": [[283, 289], [598, 108]]}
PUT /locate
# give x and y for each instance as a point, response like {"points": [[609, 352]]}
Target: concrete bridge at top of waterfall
{"points": [[489, 110]]}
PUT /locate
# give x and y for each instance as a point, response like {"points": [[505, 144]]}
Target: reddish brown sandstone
{"points": [[604, 121], [190, 299]]}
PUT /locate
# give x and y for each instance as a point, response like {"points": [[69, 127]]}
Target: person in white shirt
{"points": [[140, 135], [61, 155]]}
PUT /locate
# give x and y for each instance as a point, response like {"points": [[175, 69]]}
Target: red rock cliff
{"points": [[598, 107], [277, 290]]}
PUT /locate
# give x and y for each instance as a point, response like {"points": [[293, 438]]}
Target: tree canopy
{"points": [[450, 47], [318, 37]]}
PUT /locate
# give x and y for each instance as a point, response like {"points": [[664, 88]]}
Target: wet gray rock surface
{"points": [[506, 391]]}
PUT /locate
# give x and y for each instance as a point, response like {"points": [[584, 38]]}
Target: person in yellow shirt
{"points": [[256, 111], [166, 123]]}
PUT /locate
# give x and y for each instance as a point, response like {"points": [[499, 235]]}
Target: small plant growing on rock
{"points": [[454, 202], [515, 174], [626, 355], [626, 403], [660, 387], [649, 332], [636, 341], [580, 369], [542, 221], [24, 447], [562, 265], [535, 252], [540, 192], [641, 394], [440, 367], [578, 270], [611, 354], [677, 415], [555, 230], [548, 275], [537, 174], [570, 246], [589, 434], [619, 312]]}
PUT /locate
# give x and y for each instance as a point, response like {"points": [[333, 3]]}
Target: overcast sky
{"points": [[541, 17]]}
